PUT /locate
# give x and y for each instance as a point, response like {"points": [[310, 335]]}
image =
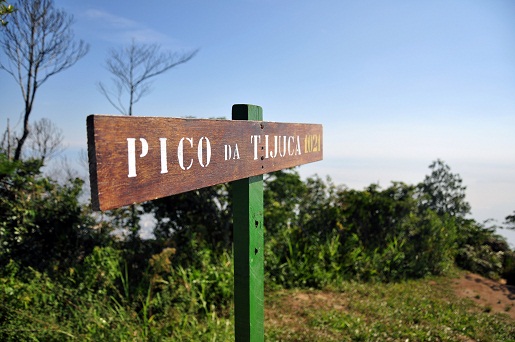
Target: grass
{"points": [[422, 310]]}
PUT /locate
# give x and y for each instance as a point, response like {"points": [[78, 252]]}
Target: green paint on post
{"points": [[248, 246]]}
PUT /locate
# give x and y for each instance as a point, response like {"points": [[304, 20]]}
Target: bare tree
{"points": [[7, 141], [38, 43], [132, 67], [45, 139]]}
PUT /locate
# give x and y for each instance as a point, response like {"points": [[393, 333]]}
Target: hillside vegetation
{"points": [[377, 261]]}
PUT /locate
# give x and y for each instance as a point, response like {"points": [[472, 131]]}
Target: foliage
{"points": [[376, 215], [319, 215], [391, 234], [509, 221], [35, 307], [443, 191], [204, 214], [5, 9], [482, 251], [93, 302], [376, 235], [294, 260], [67, 275], [42, 223], [283, 192]]}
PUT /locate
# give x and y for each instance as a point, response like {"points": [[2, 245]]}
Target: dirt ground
{"points": [[492, 295]]}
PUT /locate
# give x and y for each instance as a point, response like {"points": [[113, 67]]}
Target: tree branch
{"points": [[132, 67]]}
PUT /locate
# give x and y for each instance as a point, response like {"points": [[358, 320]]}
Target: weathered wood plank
{"points": [[136, 159]]}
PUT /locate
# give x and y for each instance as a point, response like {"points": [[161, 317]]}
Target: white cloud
{"points": [[111, 20], [114, 28]]}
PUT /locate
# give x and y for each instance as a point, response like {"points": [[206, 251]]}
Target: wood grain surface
{"points": [[136, 159]]}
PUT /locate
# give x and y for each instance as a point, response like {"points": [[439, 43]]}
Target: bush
{"points": [[42, 223], [297, 260]]}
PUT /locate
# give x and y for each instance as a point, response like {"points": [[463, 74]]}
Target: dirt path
{"points": [[491, 295]]}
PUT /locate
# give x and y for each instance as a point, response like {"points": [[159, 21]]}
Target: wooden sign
{"points": [[136, 159]]}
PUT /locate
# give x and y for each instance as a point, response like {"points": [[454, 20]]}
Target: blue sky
{"points": [[396, 84]]}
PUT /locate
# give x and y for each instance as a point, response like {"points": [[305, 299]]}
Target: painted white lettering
{"points": [[227, 152], [144, 147], [290, 139], [180, 153], [283, 153], [200, 152], [164, 164], [131, 149], [256, 139], [131, 154], [275, 148], [236, 152], [298, 145], [266, 146], [282, 144]]}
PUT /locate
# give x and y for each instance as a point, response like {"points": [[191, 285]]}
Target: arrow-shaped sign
{"points": [[134, 159]]}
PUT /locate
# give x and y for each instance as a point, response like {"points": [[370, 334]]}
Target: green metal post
{"points": [[247, 200]]}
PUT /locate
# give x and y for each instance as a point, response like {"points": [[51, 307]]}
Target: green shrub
{"points": [[296, 260]]}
